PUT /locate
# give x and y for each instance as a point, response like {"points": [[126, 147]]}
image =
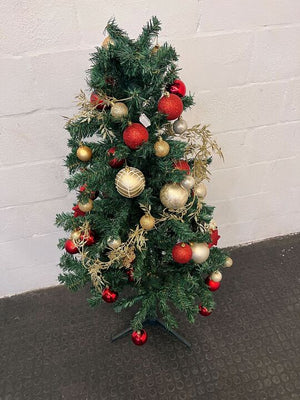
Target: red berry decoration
{"points": [[212, 285], [171, 105], [109, 295], [114, 162], [78, 212], [139, 337], [204, 311], [182, 165], [88, 239], [95, 99], [214, 237], [70, 247], [135, 135], [182, 253], [178, 88]]}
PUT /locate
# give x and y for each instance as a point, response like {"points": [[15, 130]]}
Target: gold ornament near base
{"points": [[107, 42], [130, 182], [200, 190], [188, 182], [173, 196], [216, 276], [228, 262], [147, 222], [119, 111], [86, 207], [161, 148], [114, 243], [84, 153], [200, 252], [75, 235]]}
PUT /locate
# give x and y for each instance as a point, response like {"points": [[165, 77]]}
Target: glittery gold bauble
{"points": [[75, 235], [173, 196], [228, 262], [188, 182], [200, 252], [114, 242], [200, 190], [107, 41], [216, 276], [161, 148], [86, 207], [130, 182], [147, 222], [179, 126], [84, 153], [119, 111]]}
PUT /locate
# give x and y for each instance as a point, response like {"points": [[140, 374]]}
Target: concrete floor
{"points": [[53, 346]]}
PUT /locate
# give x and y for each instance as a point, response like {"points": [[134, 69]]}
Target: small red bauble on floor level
{"points": [[182, 165], [109, 295], [114, 162], [204, 311], [70, 247], [139, 337], [177, 87], [135, 135], [212, 285], [182, 253], [171, 105], [96, 99]]}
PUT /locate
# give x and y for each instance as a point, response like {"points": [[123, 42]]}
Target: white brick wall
{"points": [[241, 59]]}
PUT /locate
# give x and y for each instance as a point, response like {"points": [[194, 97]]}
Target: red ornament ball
{"points": [[204, 311], [212, 285], [178, 88], [95, 99], [171, 105], [70, 247], [182, 165], [135, 135], [109, 295], [139, 337], [114, 162], [88, 239], [182, 253], [214, 237]]}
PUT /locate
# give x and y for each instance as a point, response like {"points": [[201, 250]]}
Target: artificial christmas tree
{"points": [[140, 220]]}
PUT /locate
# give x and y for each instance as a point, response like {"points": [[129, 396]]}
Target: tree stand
{"points": [[152, 322]]}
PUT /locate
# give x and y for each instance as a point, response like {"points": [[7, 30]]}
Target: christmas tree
{"points": [[140, 220]]}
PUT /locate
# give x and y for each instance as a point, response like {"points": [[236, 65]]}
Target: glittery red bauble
{"points": [[204, 311], [139, 337], [89, 239], [70, 247], [212, 285], [214, 237], [114, 162], [171, 105], [177, 87], [135, 135], [182, 165], [78, 212], [96, 99], [182, 253], [109, 295]]}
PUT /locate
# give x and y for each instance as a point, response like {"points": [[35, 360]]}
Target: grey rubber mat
{"points": [[53, 346]]}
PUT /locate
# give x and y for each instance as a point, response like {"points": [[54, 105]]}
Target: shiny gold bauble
{"points": [[75, 235], [86, 207], [188, 182], [119, 111], [147, 222], [114, 242], [84, 153], [161, 148], [130, 182], [200, 190], [173, 196], [228, 262], [107, 41], [216, 276], [200, 252]]}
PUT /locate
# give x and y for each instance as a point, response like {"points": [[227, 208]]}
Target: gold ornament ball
{"points": [[75, 235], [130, 182], [107, 41], [84, 153], [114, 242], [216, 276], [179, 126], [200, 190], [161, 148], [155, 49], [173, 196], [147, 222], [86, 207], [188, 182], [119, 111], [200, 252], [228, 262]]}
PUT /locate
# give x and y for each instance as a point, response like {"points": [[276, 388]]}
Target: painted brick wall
{"points": [[240, 58]]}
